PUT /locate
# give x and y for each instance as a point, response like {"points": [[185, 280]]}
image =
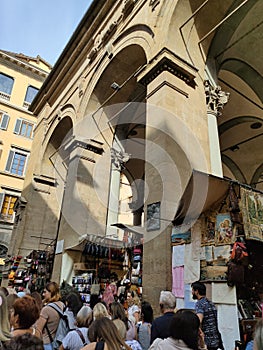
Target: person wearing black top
{"points": [[161, 325]]}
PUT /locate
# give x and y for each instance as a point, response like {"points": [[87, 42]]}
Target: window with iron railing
{"points": [[30, 95], [6, 86]]}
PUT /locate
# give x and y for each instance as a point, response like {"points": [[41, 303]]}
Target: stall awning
{"points": [[96, 239], [139, 230], [203, 191], [78, 246]]}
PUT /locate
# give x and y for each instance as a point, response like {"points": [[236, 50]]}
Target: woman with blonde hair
{"points": [[104, 335], [77, 338], [99, 311], [4, 320], [134, 307], [49, 317]]}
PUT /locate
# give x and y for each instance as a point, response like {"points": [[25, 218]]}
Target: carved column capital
{"points": [[215, 98], [119, 158]]}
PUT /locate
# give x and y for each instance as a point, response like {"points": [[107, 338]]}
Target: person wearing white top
{"points": [[133, 306]]}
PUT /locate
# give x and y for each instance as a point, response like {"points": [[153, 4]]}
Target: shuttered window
{"points": [[16, 162], [4, 120], [24, 128]]}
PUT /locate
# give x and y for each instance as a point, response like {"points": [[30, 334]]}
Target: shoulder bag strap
{"points": [[99, 345], [59, 311], [81, 336], [48, 332], [57, 308]]}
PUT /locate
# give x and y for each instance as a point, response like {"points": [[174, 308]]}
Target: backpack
{"points": [[63, 327]]}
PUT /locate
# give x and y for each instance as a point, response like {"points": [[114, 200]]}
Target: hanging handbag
{"points": [[95, 287]]}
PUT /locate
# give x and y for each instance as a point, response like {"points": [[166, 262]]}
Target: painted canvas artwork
{"points": [[208, 234], [224, 230], [153, 216], [180, 237]]}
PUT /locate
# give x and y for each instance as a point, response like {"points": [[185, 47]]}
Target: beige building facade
{"points": [[20, 79], [151, 90]]}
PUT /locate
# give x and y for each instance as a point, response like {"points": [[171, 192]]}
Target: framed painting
{"points": [[153, 216], [179, 236], [224, 230], [208, 234]]}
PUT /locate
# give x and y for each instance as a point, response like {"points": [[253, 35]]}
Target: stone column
{"points": [[215, 101], [118, 158], [137, 210], [172, 126]]}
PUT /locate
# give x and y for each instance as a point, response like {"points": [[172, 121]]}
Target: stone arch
{"points": [[53, 147], [101, 105], [133, 30], [67, 110], [121, 69], [139, 46]]}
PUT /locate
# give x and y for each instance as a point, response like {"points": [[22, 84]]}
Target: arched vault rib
{"points": [[236, 121], [256, 176], [247, 73], [225, 32], [234, 168]]}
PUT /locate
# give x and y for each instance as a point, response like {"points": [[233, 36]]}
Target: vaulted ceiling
{"points": [[231, 34]]}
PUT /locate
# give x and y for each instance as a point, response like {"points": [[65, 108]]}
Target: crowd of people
{"points": [[29, 321]]}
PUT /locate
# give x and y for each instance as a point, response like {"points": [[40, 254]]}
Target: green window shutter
{"points": [[4, 121], [9, 160], [17, 126]]}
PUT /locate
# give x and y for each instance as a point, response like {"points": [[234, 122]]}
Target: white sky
{"points": [[39, 27]]}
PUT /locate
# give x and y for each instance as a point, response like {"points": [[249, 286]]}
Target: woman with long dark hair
{"points": [[185, 333], [144, 329]]}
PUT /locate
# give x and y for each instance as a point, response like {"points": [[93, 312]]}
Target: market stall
{"points": [[217, 239]]}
